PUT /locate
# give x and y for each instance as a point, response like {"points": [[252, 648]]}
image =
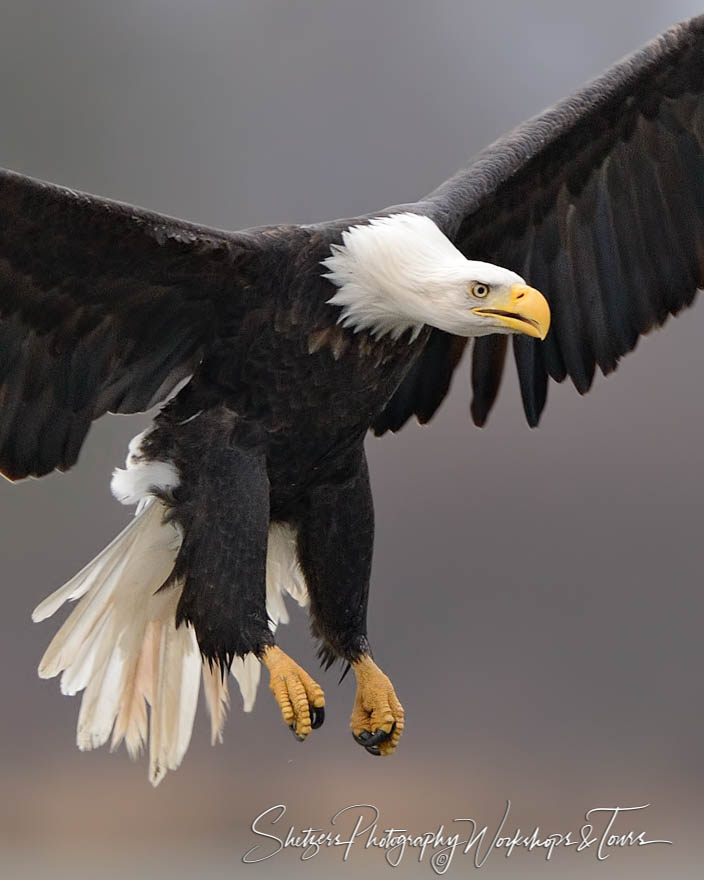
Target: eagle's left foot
{"points": [[377, 717], [300, 698]]}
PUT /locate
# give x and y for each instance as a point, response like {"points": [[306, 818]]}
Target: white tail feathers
{"points": [[121, 644]]}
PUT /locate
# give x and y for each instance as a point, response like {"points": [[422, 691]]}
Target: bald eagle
{"points": [[275, 350]]}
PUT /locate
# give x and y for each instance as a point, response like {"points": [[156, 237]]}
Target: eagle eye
{"points": [[476, 288]]}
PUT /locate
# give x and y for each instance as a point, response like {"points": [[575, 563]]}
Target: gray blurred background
{"points": [[537, 595]]}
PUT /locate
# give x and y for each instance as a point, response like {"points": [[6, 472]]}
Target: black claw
{"points": [[365, 738], [317, 716], [379, 736], [373, 750]]}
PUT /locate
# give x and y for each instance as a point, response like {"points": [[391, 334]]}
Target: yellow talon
{"points": [[377, 717], [295, 692]]}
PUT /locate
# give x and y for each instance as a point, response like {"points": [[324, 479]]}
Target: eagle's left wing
{"points": [[599, 203]]}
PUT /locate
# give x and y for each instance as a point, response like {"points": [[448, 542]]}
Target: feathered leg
{"points": [[222, 508], [335, 540]]}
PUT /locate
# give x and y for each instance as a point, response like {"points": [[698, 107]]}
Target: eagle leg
{"points": [[300, 698], [335, 540]]}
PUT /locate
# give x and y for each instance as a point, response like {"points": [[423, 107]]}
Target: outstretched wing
{"points": [[599, 203], [103, 307]]}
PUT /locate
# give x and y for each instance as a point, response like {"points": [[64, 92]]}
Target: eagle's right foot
{"points": [[300, 698]]}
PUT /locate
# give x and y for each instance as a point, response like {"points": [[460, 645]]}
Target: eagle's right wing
{"points": [[103, 307]]}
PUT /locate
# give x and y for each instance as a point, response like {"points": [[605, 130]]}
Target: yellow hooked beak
{"points": [[525, 310]]}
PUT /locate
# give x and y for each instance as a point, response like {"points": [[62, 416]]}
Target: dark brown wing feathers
{"points": [[103, 307], [599, 203]]}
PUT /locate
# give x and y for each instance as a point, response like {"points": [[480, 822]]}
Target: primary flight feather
{"points": [[289, 343]]}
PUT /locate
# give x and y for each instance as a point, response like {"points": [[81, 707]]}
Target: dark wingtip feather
{"points": [[488, 360], [478, 417], [532, 376]]}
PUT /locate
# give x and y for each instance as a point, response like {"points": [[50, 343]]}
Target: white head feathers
{"points": [[400, 272]]}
